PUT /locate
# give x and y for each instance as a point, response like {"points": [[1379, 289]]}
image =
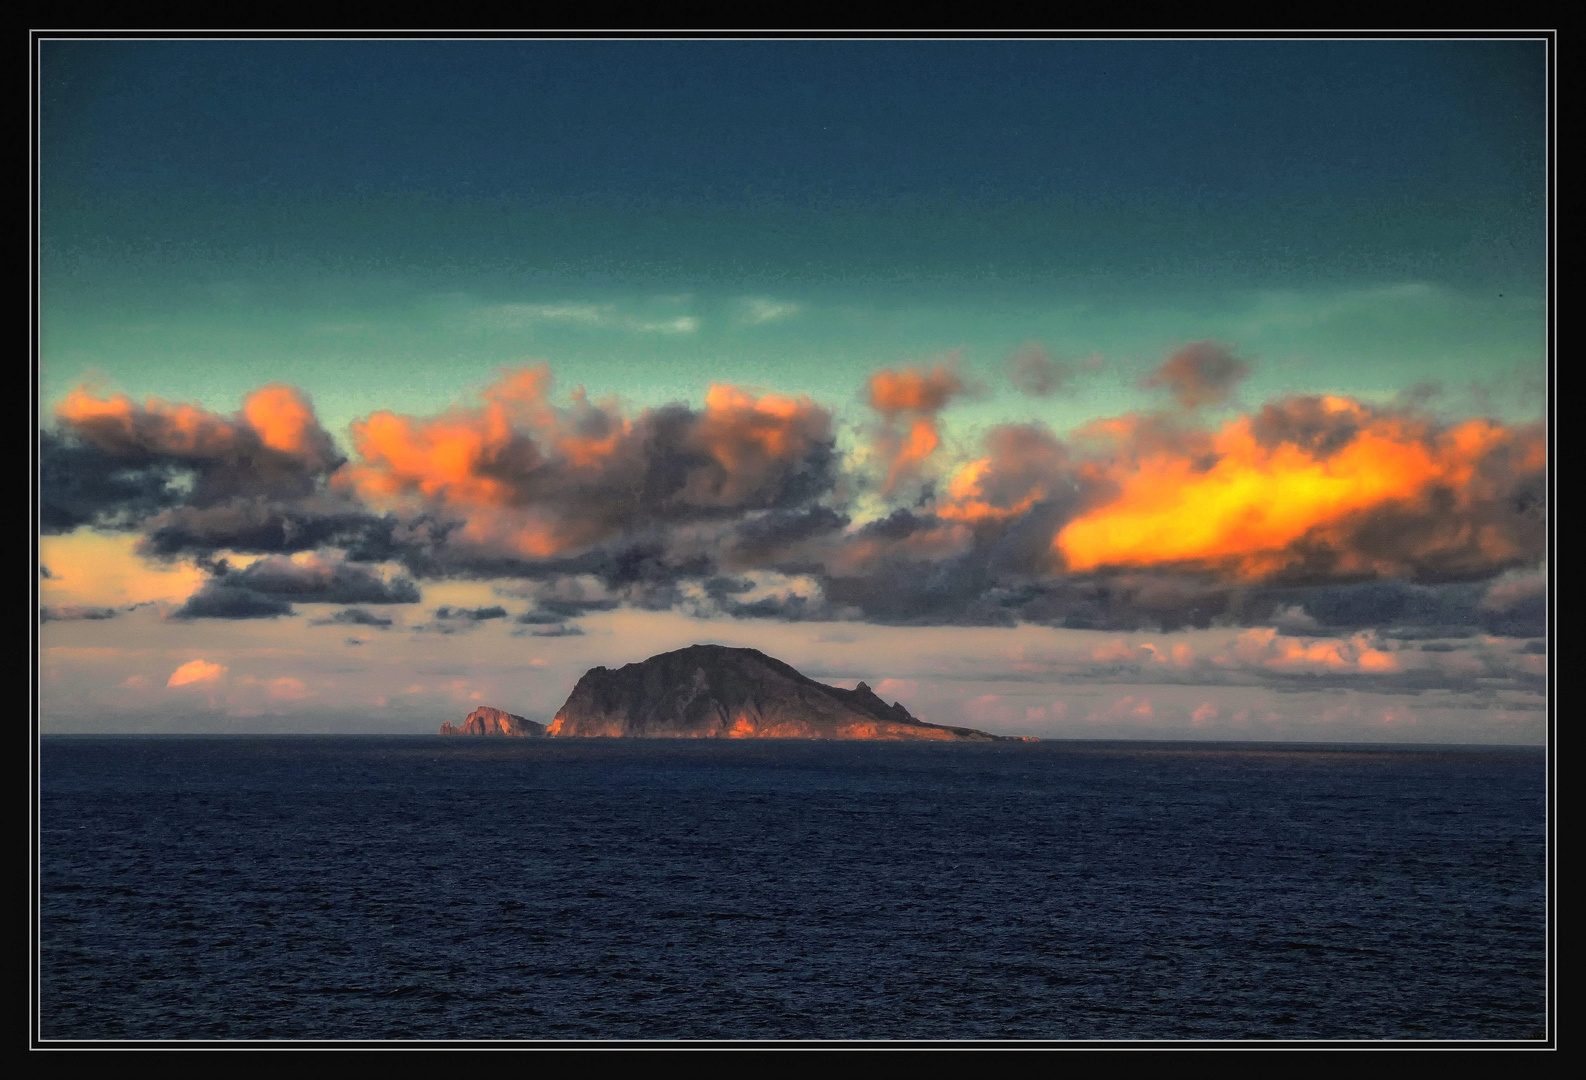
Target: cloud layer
{"points": [[1306, 514]]}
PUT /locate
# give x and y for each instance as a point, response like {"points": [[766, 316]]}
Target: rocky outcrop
{"points": [[711, 691], [487, 721]]}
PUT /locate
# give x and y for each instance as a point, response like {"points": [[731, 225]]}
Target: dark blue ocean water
{"points": [[411, 887]]}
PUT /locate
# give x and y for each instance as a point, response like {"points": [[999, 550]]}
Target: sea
{"points": [[391, 889]]}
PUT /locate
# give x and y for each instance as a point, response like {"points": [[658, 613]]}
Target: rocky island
{"points": [[487, 721], [711, 691]]}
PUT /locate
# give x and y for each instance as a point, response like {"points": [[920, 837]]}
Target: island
{"points": [[487, 721], [716, 692]]}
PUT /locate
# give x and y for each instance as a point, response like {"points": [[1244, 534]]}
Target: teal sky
{"points": [[385, 224]]}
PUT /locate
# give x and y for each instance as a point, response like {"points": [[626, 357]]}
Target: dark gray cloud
{"points": [[536, 617], [1411, 611], [452, 620], [75, 612], [1037, 372], [1201, 373], [218, 601], [269, 587], [354, 617], [263, 526], [82, 484], [783, 536], [319, 581], [559, 630], [1306, 421], [478, 614], [113, 463]]}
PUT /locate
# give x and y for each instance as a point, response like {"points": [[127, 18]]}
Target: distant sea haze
{"points": [[421, 887]]}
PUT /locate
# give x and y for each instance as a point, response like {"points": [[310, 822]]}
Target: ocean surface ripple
{"points": [[427, 888]]}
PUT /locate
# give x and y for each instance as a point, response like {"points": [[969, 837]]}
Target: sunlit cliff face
{"points": [[746, 727]]}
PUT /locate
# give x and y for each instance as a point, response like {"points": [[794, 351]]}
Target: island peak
{"points": [[717, 691]]}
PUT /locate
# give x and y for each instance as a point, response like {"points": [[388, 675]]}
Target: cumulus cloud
{"points": [[532, 481], [1180, 654], [1129, 708], [908, 400], [265, 526], [784, 537], [1294, 620], [216, 601], [75, 612], [477, 614], [1024, 464], [316, 579], [271, 585], [354, 617], [1315, 516], [1201, 373], [1370, 493], [1515, 589], [1035, 371], [452, 620], [1265, 647], [196, 671], [114, 461], [559, 630], [81, 484]]}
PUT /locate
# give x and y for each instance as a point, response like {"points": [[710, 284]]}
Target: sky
{"points": [[1079, 389]]}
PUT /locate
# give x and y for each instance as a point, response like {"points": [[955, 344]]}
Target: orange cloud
{"points": [[288, 689], [912, 390], [1117, 652], [283, 419], [278, 417], [752, 439], [196, 671], [1265, 647], [908, 400], [538, 481], [482, 462], [120, 426], [1023, 465], [1259, 497]]}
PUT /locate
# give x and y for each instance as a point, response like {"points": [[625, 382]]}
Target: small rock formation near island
{"points": [[711, 691], [487, 721]]}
